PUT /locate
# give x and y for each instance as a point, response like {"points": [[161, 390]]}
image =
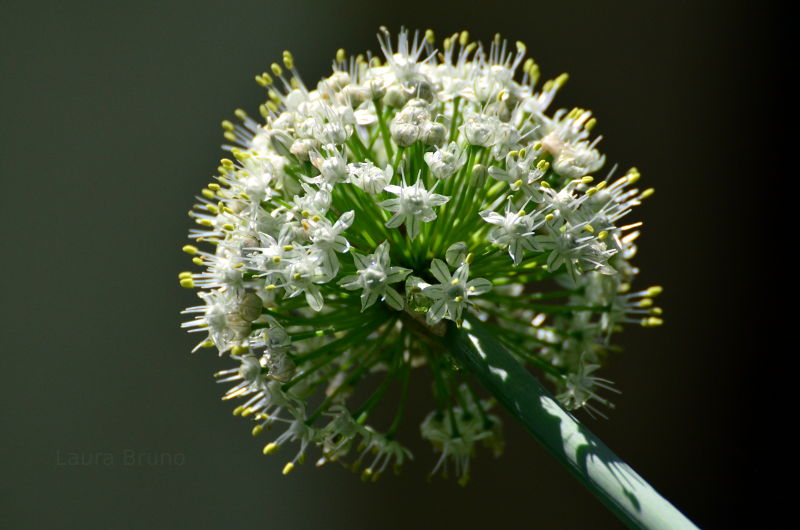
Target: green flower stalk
{"points": [[359, 223]]}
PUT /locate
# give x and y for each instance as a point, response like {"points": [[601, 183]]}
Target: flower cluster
{"points": [[356, 218]]}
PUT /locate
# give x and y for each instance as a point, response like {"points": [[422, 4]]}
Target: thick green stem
{"points": [[610, 479]]}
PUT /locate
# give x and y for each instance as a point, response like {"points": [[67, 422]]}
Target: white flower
{"points": [[370, 178], [514, 230], [452, 294], [374, 276], [304, 275], [446, 160], [481, 129], [413, 206], [455, 436], [408, 124], [575, 248], [332, 169], [327, 240]]}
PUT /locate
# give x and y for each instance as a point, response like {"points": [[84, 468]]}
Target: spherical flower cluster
{"points": [[357, 218]]}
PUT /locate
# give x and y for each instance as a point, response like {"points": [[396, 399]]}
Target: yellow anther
{"points": [[271, 94], [463, 39], [521, 47], [205, 222], [513, 154], [237, 410], [287, 248], [271, 106], [652, 322], [454, 281], [447, 44], [288, 59], [648, 192], [190, 249], [587, 179], [601, 185], [305, 213], [228, 227], [430, 38], [187, 283], [526, 66], [207, 193], [296, 276], [267, 79], [458, 299], [469, 258], [645, 302], [294, 82], [276, 259], [602, 235], [258, 429], [226, 163], [655, 290], [185, 274], [590, 124], [276, 69], [589, 228], [591, 191], [270, 287], [246, 412], [542, 165], [198, 261], [288, 468], [305, 224], [520, 213], [516, 184], [340, 55], [240, 113], [561, 80], [655, 311], [238, 349], [471, 289], [227, 125], [270, 448], [229, 136], [316, 218], [633, 175], [469, 48], [549, 217], [537, 147], [545, 184], [522, 153]]}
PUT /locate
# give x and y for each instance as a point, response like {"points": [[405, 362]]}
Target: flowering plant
{"points": [[405, 200]]}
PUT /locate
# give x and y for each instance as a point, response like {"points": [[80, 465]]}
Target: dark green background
{"points": [[110, 118]]}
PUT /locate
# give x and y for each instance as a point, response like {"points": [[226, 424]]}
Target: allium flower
{"points": [[360, 218]]}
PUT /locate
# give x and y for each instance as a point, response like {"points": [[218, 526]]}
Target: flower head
{"points": [[359, 219]]}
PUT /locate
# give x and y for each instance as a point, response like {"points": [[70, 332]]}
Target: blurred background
{"points": [[110, 124]]}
